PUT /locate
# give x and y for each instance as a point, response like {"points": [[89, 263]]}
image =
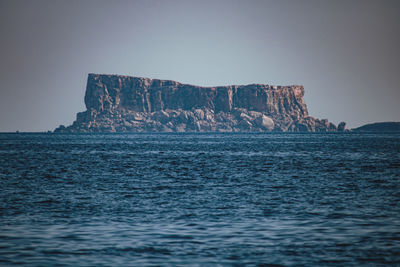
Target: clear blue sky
{"points": [[345, 53]]}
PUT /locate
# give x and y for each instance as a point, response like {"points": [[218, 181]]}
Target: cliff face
{"points": [[123, 104]]}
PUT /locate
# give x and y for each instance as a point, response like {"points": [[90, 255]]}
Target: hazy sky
{"points": [[345, 53]]}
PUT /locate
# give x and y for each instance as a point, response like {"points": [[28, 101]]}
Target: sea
{"points": [[194, 199]]}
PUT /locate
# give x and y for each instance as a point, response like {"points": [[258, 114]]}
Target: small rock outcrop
{"points": [[341, 127], [118, 103]]}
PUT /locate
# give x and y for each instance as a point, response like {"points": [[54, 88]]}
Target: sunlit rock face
{"points": [[118, 103]]}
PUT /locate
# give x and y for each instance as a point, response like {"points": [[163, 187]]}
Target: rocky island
{"points": [[118, 103]]}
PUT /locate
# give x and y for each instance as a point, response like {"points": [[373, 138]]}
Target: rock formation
{"points": [[131, 104]]}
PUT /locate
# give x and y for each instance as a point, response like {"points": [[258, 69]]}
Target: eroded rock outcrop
{"points": [[118, 103]]}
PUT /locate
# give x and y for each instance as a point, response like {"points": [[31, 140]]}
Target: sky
{"points": [[346, 53]]}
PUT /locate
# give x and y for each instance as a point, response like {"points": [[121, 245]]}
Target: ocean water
{"points": [[199, 199]]}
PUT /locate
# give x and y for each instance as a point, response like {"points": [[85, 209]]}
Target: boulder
{"points": [[265, 122]]}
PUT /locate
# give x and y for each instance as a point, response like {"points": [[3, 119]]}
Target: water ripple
{"points": [[199, 199]]}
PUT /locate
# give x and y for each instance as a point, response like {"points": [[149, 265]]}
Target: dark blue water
{"points": [[199, 199]]}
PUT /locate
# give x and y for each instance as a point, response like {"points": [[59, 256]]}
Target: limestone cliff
{"points": [[118, 103]]}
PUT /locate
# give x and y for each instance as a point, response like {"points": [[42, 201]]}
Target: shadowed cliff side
{"points": [[118, 103]]}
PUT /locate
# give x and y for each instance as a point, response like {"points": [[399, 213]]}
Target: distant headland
{"points": [[118, 103], [379, 127]]}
